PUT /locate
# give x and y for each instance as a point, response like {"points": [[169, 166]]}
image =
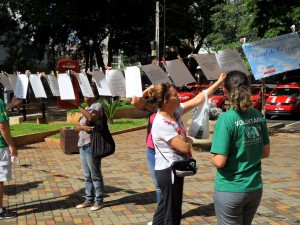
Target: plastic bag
{"points": [[199, 127]]}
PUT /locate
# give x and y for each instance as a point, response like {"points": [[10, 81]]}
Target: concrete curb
{"points": [[275, 125]]}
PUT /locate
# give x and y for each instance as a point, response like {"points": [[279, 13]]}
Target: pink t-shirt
{"points": [[149, 141]]}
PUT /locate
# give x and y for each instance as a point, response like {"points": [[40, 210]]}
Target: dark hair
{"points": [[237, 85], [160, 93]]}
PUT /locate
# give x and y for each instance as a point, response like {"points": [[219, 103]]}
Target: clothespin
{"points": [[108, 68], [71, 72], [27, 72], [178, 56], [89, 72], [163, 59]]}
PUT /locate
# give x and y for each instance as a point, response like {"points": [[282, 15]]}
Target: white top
{"points": [[164, 130]]}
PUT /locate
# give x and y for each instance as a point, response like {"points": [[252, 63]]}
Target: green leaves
{"points": [[110, 108]]}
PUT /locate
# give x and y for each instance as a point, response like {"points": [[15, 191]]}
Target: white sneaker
{"points": [[149, 223], [96, 207]]}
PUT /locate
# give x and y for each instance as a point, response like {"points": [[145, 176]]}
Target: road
{"points": [[292, 124]]}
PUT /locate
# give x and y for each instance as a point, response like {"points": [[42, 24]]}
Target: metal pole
{"points": [[164, 27], [157, 31], [263, 96]]}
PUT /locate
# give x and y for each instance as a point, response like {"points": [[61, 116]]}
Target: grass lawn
{"points": [[30, 127]]}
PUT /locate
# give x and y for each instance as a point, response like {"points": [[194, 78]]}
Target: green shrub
{"points": [[110, 108]]}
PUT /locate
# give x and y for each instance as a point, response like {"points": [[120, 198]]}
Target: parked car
{"points": [[218, 99], [284, 100], [202, 87], [186, 93], [256, 95]]}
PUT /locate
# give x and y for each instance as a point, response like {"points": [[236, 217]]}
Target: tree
{"points": [[273, 17]]}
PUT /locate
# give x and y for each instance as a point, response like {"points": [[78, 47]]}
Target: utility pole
{"points": [[164, 28], [157, 31]]}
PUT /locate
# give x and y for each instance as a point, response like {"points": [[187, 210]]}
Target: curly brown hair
{"points": [[237, 85]]}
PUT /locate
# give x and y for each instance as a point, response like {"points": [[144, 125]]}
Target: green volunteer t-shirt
{"points": [[241, 137], [3, 118]]}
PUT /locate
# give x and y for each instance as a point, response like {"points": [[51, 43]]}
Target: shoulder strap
{"points": [[161, 153]]}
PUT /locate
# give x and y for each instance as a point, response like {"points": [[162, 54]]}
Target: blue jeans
{"points": [[93, 177], [151, 166]]}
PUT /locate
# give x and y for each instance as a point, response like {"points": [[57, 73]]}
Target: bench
{"points": [[32, 107]]}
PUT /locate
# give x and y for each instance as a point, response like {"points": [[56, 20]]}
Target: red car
{"points": [[218, 98], [203, 87], [186, 93], [284, 100], [256, 96]]}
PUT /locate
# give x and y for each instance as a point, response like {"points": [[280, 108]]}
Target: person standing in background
{"points": [[146, 103], [8, 152], [239, 143], [91, 116]]}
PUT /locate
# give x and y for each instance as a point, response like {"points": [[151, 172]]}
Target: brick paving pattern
{"points": [[48, 184]]}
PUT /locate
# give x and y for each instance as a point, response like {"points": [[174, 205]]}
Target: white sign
{"points": [[133, 82], [102, 86], [65, 87], [116, 82], [13, 80], [84, 85], [213, 64], [229, 60], [155, 74], [179, 72], [21, 86], [5, 81], [53, 84], [209, 65], [37, 86]]}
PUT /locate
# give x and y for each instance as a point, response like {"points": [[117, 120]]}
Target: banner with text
{"points": [[271, 56]]}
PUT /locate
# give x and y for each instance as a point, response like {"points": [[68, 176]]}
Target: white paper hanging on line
{"points": [[179, 72], [37, 86], [209, 65], [102, 86], [53, 84], [13, 80], [229, 60], [116, 82], [66, 89], [133, 82], [5, 82], [84, 85], [21, 86], [155, 74]]}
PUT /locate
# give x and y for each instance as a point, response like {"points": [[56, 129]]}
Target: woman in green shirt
{"points": [[240, 141]]}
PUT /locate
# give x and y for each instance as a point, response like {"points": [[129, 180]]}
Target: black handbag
{"points": [[102, 142], [182, 168]]}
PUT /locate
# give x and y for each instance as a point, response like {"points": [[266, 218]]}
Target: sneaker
{"points": [[149, 223], [84, 205], [6, 214], [96, 207]]}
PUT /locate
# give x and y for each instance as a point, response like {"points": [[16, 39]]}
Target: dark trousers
{"points": [[168, 211]]}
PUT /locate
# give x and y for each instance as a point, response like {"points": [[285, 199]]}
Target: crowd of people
{"points": [[240, 141]]}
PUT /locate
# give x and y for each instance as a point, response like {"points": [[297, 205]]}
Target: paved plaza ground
{"points": [[48, 184]]}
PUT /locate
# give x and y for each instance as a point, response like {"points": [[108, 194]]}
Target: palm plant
{"points": [[110, 108]]}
